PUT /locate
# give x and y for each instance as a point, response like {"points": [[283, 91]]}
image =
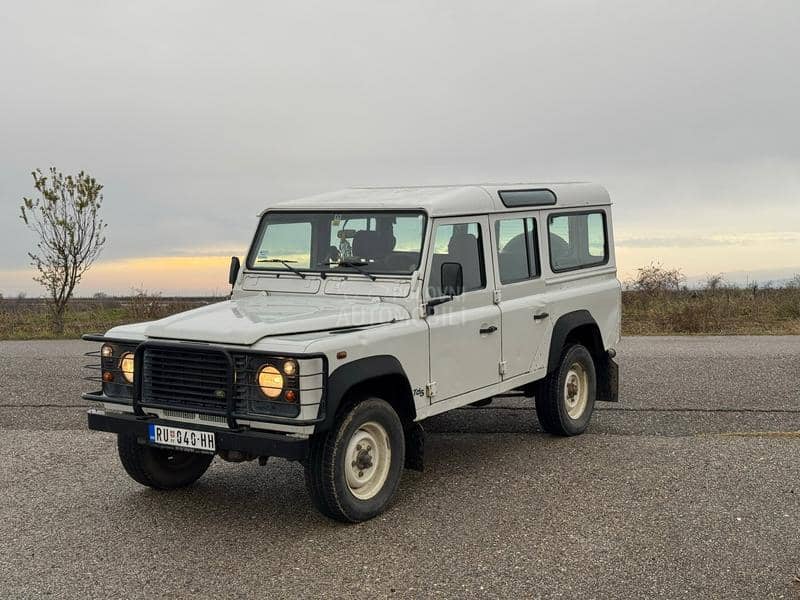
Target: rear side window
{"points": [[517, 249], [577, 240]]}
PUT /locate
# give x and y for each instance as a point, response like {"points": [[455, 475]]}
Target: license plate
{"points": [[202, 441]]}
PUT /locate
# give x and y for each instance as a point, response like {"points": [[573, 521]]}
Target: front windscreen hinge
{"points": [[430, 389], [498, 296], [501, 367]]}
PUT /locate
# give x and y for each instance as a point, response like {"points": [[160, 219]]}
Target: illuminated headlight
{"points": [[270, 381], [290, 367], [107, 351], [126, 366]]}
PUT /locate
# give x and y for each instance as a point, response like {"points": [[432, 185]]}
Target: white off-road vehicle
{"points": [[358, 314]]}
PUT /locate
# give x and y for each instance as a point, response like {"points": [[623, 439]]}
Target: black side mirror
{"points": [[234, 270], [452, 279]]}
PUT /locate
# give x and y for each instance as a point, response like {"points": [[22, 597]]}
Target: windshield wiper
{"points": [[285, 263], [353, 264]]}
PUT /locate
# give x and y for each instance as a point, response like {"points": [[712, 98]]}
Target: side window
{"points": [[577, 240], [460, 243], [288, 241], [597, 236], [517, 249]]}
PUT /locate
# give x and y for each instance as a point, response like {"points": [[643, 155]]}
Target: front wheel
{"points": [[160, 468], [565, 398], [354, 469]]}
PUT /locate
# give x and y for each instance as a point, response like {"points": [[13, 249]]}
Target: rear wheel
{"points": [[565, 398], [354, 469], [160, 468]]}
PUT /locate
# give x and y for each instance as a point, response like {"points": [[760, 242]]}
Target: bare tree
{"points": [[71, 236]]}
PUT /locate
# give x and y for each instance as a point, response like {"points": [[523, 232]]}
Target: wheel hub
{"points": [[364, 459], [576, 391], [368, 458]]}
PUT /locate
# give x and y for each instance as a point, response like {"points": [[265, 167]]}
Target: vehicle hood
{"points": [[248, 319]]}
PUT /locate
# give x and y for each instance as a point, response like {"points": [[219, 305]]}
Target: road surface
{"points": [[688, 488]]}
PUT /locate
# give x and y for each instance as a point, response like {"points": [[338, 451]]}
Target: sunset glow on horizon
{"points": [[206, 275]]}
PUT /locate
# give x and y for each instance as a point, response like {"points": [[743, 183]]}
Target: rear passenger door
{"points": [[465, 332], [523, 308]]}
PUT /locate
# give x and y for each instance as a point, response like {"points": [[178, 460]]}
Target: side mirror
{"points": [[452, 279], [234, 270]]}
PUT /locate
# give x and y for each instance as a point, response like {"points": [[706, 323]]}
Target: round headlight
{"points": [[126, 366], [270, 381], [107, 351], [290, 367]]}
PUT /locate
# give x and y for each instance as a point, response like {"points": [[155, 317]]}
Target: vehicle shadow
{"points": [[274, 497]]}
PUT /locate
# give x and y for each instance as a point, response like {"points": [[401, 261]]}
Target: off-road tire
{"points": [[551, 397], [160, 468], [325, 469]]}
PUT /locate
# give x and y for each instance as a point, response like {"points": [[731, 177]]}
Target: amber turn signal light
{"points": [[108, 377]]}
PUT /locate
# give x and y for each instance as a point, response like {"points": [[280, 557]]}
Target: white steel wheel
{"points": [[353, 469], [576, 390], [367, 460]]}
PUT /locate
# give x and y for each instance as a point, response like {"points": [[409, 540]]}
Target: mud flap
{"points": [[608, 380], [415, 446]]}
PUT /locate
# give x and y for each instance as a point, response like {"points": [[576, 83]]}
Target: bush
{"points": [[145, 306], [656, 279]]}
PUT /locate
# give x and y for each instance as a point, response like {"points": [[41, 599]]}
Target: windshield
{"points": [[339, 242]]}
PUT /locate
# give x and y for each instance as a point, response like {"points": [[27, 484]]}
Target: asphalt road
{"points": [[688, 488]]}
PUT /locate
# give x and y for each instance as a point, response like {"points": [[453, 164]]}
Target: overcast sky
{"points": [[197, 115]]}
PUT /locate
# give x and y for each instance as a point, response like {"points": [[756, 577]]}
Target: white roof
{"points": [[447, 200]]}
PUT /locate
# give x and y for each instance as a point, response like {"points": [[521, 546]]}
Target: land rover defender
{"points": [[358, 314]]}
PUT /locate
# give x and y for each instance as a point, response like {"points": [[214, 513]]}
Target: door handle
{"points": [[489, 329], [540, 316]]}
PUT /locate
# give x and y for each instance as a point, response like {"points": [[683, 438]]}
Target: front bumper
{"points": [[254, 443]]}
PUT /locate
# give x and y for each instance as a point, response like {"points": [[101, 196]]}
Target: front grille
{"points": [[189, 379]]}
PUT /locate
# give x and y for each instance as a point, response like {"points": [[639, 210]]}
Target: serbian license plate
{"points": [[202, 441]]}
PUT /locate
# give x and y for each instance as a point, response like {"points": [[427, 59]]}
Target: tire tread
{"points": [[548, 399]]}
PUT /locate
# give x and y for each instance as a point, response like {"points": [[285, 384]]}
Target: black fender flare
{"points": [[564, 325], [344, 378], [607, 369]]}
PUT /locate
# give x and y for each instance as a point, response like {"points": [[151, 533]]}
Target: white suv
{"points": [[360, 313]]}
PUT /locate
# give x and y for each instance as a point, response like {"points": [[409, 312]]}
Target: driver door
{"points": [[464, 334]]}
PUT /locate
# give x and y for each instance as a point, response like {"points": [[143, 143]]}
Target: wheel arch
{"points": [[581, 328], [575, 327], [382, 373]]}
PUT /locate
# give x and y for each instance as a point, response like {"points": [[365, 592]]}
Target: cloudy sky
{"points": [[197, 115]]}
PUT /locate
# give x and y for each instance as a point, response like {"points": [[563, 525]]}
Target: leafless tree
{"points": [[65, 218]]}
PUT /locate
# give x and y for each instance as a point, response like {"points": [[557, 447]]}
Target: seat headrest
{"points": [[372, 244], [463, 244]]}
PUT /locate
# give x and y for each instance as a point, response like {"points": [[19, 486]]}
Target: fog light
{"points": [[270, 381], [126, 366]]}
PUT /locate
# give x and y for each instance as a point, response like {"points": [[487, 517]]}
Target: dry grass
{"points": [[23, 319], [721, 311]]}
